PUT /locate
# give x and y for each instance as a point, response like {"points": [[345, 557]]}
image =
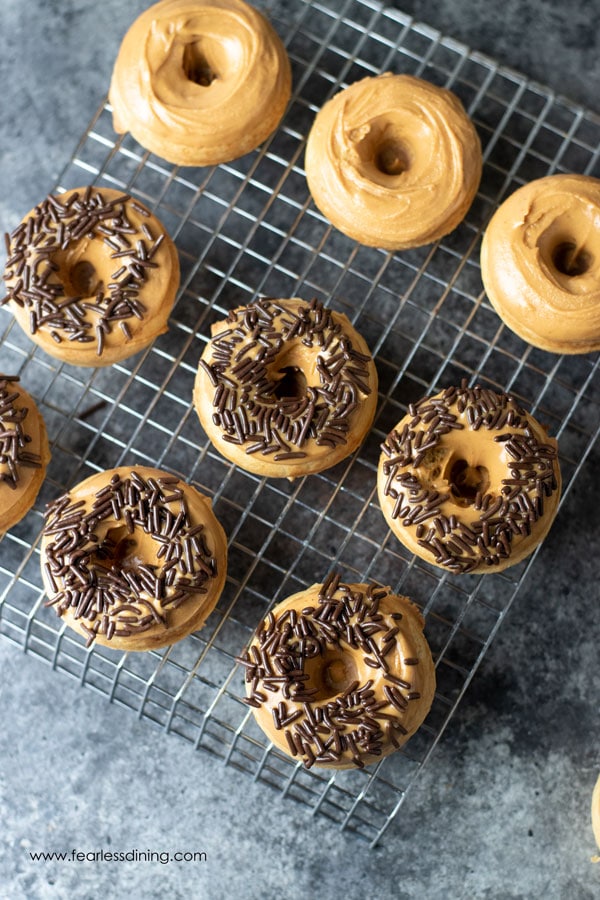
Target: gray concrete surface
{"points": [[502, 810]]}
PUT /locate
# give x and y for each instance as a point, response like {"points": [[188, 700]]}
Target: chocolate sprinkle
{"points": [[504, 516], [129, 597], [247, 407], [56, 225], [352, 723], [14, 440]]}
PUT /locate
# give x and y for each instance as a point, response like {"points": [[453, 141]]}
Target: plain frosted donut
{"points": [[340, 675], [540, 263], [133, 558], [91, 276], [596, 813], [393, 161], [285, 387], [24, 453], [469, 480], [200, 82]]}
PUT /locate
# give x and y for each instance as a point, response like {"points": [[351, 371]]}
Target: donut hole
{"points": [[331, 673], [391, 158], [467, 481], [292, 384], [83, 278], [567, 243], [434, 468], [571, 259], [84, 268], [196, 64], [120, 549], [382, 149]]}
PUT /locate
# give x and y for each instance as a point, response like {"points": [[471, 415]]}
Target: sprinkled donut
{"points": [[393, 161], [540, 263], [24, 453], [91, 275], [469, 480], [285, 387], [200, 82], [133, 558], [340, 675]]}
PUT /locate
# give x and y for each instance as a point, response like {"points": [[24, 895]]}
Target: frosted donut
{"points": [[393, 161], [24, 453], [285, 387], [540, 263], [469, 481], [133, 558], [596, 814], [91, 276], [340, 675], [200, 82]]}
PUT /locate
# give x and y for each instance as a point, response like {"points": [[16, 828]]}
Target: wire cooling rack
{"points": [[249, 228]]}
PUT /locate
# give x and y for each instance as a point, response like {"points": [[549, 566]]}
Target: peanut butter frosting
{"points": [[24, 453], [469, 481], [91, 276], [340, 675], [133, 558], [393, 161], [540, 263], [200, 82], [286, 387]]}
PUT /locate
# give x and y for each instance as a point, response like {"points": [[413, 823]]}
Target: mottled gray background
{"points": [[502, 810]]}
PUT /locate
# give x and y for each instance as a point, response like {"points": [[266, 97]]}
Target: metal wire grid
{"points": [[249, 228]]}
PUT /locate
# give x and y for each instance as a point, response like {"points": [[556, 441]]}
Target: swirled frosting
{"points": [[199, 82], [540, 263], [393, 161]]}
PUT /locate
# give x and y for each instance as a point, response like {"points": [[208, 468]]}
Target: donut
{"points": [[285, 387], [596, 814], [24, 453], [393, 161], [540, 263], [200, 82], [340, 675], [91, 275], [133, 558], [468, 480]]}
